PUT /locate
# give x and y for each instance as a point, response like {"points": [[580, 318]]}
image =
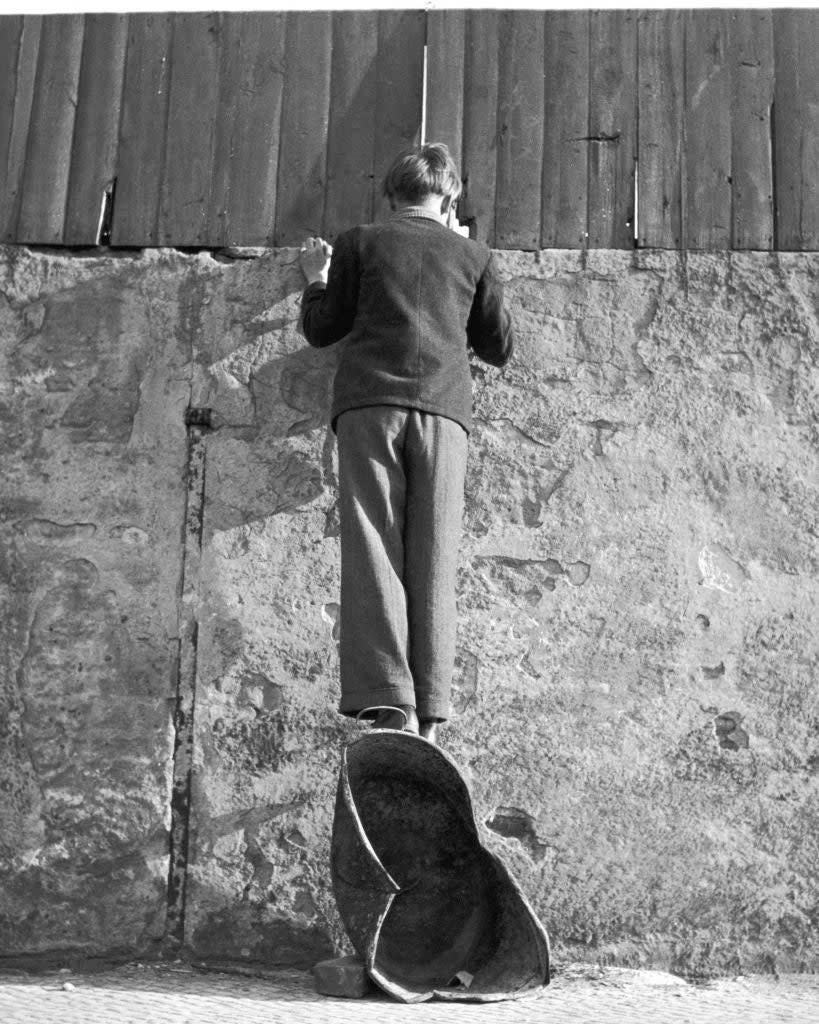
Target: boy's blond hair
{"points": [[422, 171]]}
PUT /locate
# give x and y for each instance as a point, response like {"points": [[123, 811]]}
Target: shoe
{"points": [[428, 728], [403, 718]]}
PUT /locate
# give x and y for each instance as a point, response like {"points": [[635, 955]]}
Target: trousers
{"points": [[401, 496]]}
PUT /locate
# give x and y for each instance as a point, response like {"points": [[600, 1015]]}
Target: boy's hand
{"points": [[314, 257]]}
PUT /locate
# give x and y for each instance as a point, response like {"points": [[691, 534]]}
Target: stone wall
{"points": [[635, 702]]}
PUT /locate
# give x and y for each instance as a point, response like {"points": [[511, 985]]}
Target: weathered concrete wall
{"points": [[638, 605], [94, 371]]}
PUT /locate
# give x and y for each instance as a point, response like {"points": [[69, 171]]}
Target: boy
{"points": [[408, 297]]}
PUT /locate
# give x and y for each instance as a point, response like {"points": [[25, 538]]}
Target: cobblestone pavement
{"points": [[180, 994]]}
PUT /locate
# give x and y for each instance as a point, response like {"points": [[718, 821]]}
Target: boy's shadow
{"points": [[281, 459]]}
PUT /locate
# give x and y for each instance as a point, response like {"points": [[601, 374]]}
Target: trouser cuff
{"points": [[354, 701]]}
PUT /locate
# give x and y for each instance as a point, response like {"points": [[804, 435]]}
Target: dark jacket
{"points": [[407, 298]]}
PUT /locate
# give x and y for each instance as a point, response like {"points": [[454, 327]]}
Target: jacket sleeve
{"points": [[328, 311], [489, 329]]}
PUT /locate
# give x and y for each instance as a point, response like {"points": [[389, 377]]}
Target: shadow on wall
{"points": [[250, 932], [375, 111], [282, 461]]}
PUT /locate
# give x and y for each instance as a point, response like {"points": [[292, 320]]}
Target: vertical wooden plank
{"points": [[51, 128], [566, 130], [521, 98], [142, 129], [708, 130], [480, 151], [752, 160], [661, 53], [446, 31], [796, 129], [242, 207], [400, 79], [351, 140], [19, 41], [305, 116], [612, 129], [11, 32], [189, 150], [13, 166], [96, 129]]}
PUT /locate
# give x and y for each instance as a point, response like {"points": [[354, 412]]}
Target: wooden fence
{"points": [[604, 129]]}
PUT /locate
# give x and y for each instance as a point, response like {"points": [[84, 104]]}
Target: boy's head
{"points": [[421, 172]]}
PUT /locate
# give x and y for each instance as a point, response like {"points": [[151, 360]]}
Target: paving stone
{"points": [[580, 994]]}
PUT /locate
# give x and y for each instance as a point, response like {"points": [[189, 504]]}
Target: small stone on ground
{"points": [[345, 977]]}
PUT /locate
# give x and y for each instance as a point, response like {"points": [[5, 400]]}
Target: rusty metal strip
{"points": [[198, 424]]}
